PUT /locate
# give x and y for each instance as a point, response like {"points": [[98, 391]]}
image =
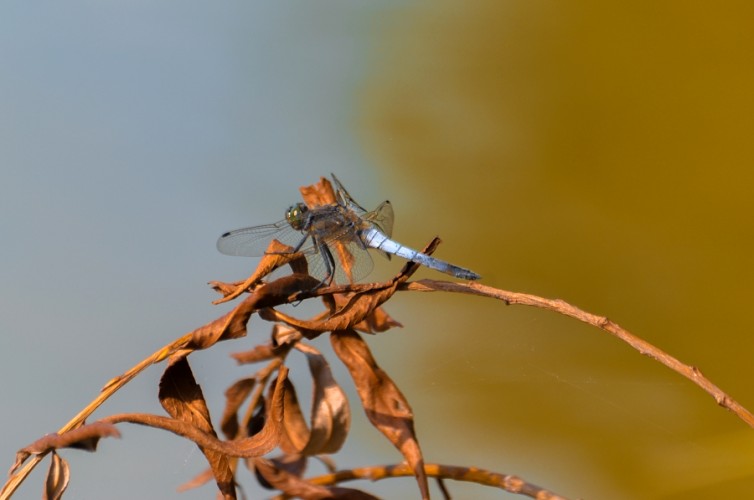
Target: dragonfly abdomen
{"points": [[376, 239]]}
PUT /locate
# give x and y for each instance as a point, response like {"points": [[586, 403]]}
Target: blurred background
{"points": [[588, 151]]}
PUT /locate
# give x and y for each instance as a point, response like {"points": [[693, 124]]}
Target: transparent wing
{"points": [[382, 217], [360, 267], [345, 199], [253, 241], [360, 262]]}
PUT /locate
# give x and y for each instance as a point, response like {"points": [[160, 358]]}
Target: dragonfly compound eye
{"points": [[296, 216]]}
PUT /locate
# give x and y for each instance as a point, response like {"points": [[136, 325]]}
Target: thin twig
{"points": [[507, 482], [108, 390], [510, 298]]}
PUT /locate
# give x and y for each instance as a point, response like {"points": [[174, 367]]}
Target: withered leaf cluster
{"points": [[263, 424], [262, 411]]}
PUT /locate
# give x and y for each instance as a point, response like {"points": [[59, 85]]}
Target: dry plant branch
{"points": [[272, 417], [603, 323], [507, 482]]}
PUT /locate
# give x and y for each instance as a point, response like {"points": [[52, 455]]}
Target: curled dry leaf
{"points": [[258, 353], [85, 437], [318, 194], [199, 480], [225, 289], [235, 395], [376, 321], [348, 310], [385, 405], [295, 432], [57, 478], [283, 338], [276, 255], [257, 445], [330, 413], [233, 324], [182, 398], [288, 483], [291, 464], [265, 440]]}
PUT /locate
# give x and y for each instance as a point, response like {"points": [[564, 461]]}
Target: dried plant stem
{"points": [[690, 372], [108, 390], [507, 482], [362, 300]]}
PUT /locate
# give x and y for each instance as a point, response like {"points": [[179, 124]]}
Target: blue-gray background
{"points": [[601, 155]]}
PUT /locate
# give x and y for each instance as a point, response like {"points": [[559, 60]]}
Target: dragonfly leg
{"points": [[300, 244], [295, 249], [329, 263]]}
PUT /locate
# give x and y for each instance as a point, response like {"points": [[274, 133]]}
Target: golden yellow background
{"points": [[598, 152]]}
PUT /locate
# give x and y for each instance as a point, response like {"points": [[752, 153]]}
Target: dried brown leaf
{"points": [[283, 338], [331, 413], [255, 446], [233, 324], [235, 395], [295, 431], [292, 464], [276, 255], [385, 405], [376, 321], [269, 436], [57, 478], [224, 288], [182, 398], [258, 353], [348, 310], [199, 480], [85, 437], [318, 194], [288, 483]]}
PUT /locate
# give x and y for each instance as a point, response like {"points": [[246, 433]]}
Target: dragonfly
{"points": [[320, 232]]}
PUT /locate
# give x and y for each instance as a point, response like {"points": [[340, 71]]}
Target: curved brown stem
{"points": [[603, 323]]}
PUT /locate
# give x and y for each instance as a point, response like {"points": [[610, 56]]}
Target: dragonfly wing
{"points": [[352, 262], [253, 241], [345, 199], [346, 250], [361, 265], [382, 217]]}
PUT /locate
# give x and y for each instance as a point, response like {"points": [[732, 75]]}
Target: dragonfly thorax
{"points": [[296, 216]]}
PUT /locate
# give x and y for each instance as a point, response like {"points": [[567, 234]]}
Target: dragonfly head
{"points": [[296, 216]]}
